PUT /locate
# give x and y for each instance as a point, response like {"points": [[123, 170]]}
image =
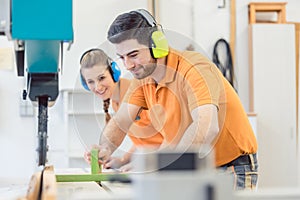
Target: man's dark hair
{"points": [[130, 25]]}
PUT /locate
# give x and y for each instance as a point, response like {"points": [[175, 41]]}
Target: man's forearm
{"points": [[112, 135], [203, 130]]}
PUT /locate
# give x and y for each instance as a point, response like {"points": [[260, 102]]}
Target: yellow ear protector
{"points": [[113, 68], [158, 42]]}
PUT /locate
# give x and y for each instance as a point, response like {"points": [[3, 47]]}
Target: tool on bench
{"points": [[96, 173]]}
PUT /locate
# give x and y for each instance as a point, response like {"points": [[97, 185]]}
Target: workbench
{"points": [[91, 190], [13, 189]]}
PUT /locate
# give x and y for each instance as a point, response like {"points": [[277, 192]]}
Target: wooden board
{"points": [[90, 177], [49, 184]]}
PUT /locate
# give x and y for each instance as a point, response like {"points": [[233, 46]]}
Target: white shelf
{"points": [[85, 113], [76, 153], [85, 121]]}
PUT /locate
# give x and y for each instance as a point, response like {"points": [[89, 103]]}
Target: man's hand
{"points": [[114, 163], [119, 164], [126, 168], [103, 156]]}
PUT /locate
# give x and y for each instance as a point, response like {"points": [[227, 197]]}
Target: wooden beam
{"points": [[278, 7], [297, 41], [91, 177], [95, 167], [42, 185], [49, 189], [34, 186], [251, 83], [232, 34], [297, 52], [153, 8]]}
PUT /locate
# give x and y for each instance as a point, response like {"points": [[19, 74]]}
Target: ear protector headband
{"points": [[113, 68], [158, 42]]}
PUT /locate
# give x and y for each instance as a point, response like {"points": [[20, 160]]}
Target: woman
{"points": [[100, 75]]}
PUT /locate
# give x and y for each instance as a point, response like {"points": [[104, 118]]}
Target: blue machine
{"points": [[42, 27], [38, 29]]}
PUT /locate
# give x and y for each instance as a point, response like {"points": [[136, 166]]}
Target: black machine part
{"points": [[42, 88], [20, 56], [42, 84], [42, 130]]}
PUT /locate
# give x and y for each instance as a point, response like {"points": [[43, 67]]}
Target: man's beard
{"points": [[144, 71]]}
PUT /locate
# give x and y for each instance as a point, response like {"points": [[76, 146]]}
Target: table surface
{"points": [[14, 189]]}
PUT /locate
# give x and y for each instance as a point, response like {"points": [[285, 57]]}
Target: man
{"points": [[189, 100]]}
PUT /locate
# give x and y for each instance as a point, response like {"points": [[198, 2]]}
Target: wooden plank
{"points": [[95, 167], [251, 83], [278, 7], [42, 185], [34, 186], [49, 190], [95, 175], [153, 8], [297, 51], [232, 35], [91, 177], [251, 114], [297, 43]]}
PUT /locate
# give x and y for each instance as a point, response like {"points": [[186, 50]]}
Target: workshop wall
{"points": [[91, 20], [17, 133], [199, 22]]}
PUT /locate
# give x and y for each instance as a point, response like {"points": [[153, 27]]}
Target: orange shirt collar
{"points": [[172, 65]]}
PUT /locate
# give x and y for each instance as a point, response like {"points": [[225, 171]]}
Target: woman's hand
{"points": [[103, 155]]}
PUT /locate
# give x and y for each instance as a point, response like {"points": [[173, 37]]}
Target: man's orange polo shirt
{"points": [[139, 134], [192, 80]]}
